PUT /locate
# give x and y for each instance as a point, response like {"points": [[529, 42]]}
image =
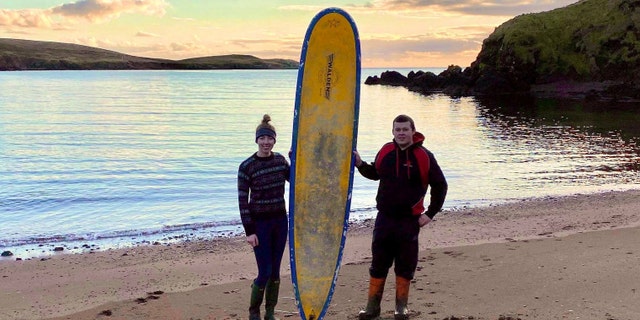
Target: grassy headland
{"points": [[589, 49], [587, 40]]}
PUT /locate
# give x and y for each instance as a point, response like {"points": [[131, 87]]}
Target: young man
{"points": [[405, 169]]}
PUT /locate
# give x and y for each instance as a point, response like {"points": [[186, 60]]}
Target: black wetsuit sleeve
{"points": [[438, 185], [368, 171]]}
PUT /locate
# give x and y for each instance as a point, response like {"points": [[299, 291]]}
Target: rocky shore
{"points": [[457, 83]]}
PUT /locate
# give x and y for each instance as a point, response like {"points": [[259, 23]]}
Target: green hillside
{"points": [[590, 40], [16, 54]]}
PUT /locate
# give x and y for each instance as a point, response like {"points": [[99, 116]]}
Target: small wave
{"points": [[209, 229], [213, 229]]}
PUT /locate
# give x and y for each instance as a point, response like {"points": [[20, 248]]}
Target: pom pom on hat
{"points": [[265, 129]]}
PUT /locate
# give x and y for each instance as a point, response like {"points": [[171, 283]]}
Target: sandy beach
{"points": [[575, 257]]}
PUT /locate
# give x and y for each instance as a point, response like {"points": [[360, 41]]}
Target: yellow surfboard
{"points": [[324, 137]]}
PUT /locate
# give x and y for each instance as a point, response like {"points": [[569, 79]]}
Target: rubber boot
{"points": [[402, 298], [271, 298], [376, 288], [257, 294]]}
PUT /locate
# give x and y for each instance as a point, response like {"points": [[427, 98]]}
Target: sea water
{"points": [[120, 157]]}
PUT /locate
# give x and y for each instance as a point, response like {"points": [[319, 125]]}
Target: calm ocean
{"points": [[120, 157]]}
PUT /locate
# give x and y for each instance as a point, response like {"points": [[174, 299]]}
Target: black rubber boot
{"points": [[376, 288], [257, 295], [271, 298]]}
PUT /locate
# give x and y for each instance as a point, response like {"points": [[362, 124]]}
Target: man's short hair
{"points": [[405, 118]]}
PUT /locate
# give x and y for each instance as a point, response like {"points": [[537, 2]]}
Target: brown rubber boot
{"points": [[402, 298], [376, 288]]}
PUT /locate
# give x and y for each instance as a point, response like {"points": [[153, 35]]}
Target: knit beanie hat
{"points": [[265, 129]]}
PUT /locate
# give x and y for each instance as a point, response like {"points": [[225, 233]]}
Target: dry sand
{"points": [[574, 257]]}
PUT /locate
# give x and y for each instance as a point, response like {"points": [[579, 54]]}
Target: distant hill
{"points": [[16, 54], [236, 61]]}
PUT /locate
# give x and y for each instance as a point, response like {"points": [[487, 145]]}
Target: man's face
{"points": [[403, 134]]}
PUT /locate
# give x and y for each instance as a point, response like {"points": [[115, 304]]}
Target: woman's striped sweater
{"points": [[261, 182]]}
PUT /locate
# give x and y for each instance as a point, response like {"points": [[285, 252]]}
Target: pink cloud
{"points": [[99, 10], [91, 10], [146, 34], [28, 18], [473, 7]]}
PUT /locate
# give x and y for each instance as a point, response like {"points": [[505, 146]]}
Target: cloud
{"points": [[91, 10], [93, 42], [100, 10], [288, 47], [146, 34], [26, 18], [468, 7], [381, 48], [186, 46], [453, 46], [178, 50], [449, 40], [472, 7], [133, 48]]}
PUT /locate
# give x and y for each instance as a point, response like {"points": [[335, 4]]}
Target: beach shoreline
{"points": [[543, 238]]}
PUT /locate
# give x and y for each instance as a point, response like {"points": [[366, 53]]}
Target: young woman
{"points": [[261, 181]]}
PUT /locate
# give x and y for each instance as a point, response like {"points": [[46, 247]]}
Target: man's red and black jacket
{"points": [[405, 176]]}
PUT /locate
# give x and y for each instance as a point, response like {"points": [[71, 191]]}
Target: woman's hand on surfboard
{"points": [[253, 240]]}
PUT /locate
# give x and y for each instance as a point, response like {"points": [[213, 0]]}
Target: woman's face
{"points": [[265, 144]]}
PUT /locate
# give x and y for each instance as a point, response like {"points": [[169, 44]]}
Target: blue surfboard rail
{"points": [[301, 71]]}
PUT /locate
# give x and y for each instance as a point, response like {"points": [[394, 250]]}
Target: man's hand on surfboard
{"points": [[358, 161], [253, 240]]}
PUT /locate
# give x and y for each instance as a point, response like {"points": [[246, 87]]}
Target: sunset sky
{"points": [[393, 33]]}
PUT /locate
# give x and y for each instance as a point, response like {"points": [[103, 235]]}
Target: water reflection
{"points": [[492, 150], [563, 143]]}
